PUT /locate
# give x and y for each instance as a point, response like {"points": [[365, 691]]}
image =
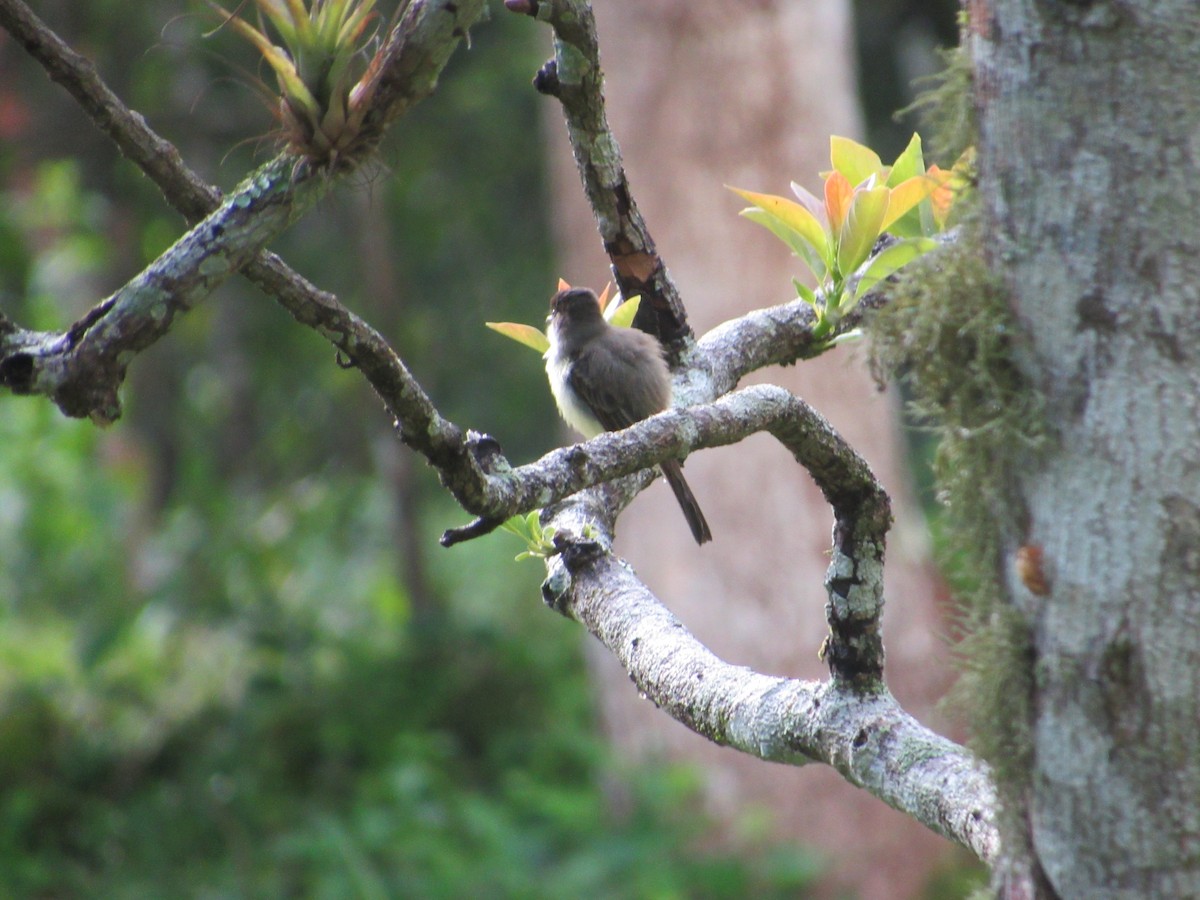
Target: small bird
{"points": [[605, 378]]}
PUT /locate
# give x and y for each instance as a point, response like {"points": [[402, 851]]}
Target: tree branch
{"points": [[154, 155], [873, 743], [416, 51], [862, 513], [574, 77], [865, 735], [82, 369]]}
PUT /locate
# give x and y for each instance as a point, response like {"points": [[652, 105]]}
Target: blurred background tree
{"points": [[233, 660]]}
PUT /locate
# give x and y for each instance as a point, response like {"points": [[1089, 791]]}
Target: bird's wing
{"points": [[593, 387]]}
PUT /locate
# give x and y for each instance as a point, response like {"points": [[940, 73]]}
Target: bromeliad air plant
{"points": [[863, 199], [326, 78]]}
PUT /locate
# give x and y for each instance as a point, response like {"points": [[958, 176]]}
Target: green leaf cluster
{"points": [[538, 539], [862, 199]]}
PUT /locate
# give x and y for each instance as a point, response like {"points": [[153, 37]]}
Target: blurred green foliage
{"points": [[233, 662], [240, 703]]}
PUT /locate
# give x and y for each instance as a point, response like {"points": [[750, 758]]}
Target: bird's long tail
{"points": [[687, 502]]}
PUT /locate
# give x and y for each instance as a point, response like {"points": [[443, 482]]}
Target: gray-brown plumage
{"points": [[606, 378]]}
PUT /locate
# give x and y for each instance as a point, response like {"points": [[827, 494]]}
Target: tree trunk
{"points": [[1088, 152], [702, 94]]}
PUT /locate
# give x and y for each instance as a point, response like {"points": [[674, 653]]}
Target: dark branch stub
{"points": [[16, 373], [576, 554], [477, 528], [546, 80]]}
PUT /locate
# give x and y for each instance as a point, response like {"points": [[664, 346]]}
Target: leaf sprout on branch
{"points": [[863, 199]]}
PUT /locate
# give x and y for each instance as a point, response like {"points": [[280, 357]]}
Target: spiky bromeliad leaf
{"points": [[324, 85]]}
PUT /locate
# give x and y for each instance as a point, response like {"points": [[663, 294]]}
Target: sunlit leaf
{"points": [[277, 58], [622, 316], [523, 334], [904, 199], [961, 179], [800, 246], [908, 164], [515, 525], [838, 193], [793, 215], [889, 261], [299, 11], [853, 160], [604, 297], [354, 25], [861, 228], [805, 293], [918, 220], [290, 25], [941, 195], [846, 337]]}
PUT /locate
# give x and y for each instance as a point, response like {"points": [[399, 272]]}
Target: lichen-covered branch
{"points": [[934, 780], [772, 336], [861, 510], [865, 735], [83, 368]]}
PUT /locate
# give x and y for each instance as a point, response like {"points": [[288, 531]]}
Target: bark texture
{"points": [[701, 94], [1089, 148]]}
